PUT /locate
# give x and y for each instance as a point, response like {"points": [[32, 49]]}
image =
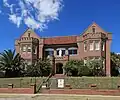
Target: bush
{"points": [[41, 67], [76, 68], [96, 67]]}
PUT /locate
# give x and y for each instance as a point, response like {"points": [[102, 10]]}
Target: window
{"points": [[93, 29], [29, 48], [91, 45], [28, 34], [24, 48], [97, 45], [49, 52], [61, 52], [103, 46], [72, 51], [85, 46], [20, 49]]}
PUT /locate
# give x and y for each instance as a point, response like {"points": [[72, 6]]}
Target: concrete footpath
{"points": [[55, 97]]}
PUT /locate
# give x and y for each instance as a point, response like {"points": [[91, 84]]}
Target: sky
{"points": [[57, 18]]}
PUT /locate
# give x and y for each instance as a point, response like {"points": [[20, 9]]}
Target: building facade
{"points": [[93, 43]]}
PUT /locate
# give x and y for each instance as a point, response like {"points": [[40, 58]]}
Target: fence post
{"points": [[33, 87]]}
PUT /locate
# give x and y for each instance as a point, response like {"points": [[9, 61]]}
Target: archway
{"points": [[59, 68]]}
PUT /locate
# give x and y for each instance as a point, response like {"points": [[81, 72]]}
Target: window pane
{"points": [[93, 29], [75, 51], [57, 52], [49, 53], [24, 49], [97, 45], [29, 49], [72, 52], [103, 46], [91, 45], [63, 52], [85, 46]]}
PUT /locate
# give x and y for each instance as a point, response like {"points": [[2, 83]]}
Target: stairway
{"points": [[59, 76]]}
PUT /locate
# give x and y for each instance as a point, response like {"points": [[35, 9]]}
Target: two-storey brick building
{"points": [[93, 43]]}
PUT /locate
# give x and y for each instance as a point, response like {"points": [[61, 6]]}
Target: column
{"points": [[66, 52], [108, 66], [55, 52]]}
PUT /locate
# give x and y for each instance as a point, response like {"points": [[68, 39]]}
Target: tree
{"points": [[115, 64], [45, 66], [33, 70], [76, 68], [11, 63], [41, 67], [71, 68]]}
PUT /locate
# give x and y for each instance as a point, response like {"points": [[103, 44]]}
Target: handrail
{"points": [[44, 81]]}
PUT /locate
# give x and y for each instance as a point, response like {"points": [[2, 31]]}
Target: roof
{"points": [[93, 24], [61, 40]]}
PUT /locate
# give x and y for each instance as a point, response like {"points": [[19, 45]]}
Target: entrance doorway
{"points": [[59, 69]]}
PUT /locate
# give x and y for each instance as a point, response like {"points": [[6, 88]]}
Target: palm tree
{"points": [[11, 63]]}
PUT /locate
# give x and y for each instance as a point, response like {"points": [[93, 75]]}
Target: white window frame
{"points": [[85, 44], [24, 48], [103, 46], [29, 48], [91, 45], [58, 49], [73, 48], [97, 45], [49, 49]]}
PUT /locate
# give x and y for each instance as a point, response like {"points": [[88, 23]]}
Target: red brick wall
{"points": [[82, 91], [17, 90], [30, 90]]}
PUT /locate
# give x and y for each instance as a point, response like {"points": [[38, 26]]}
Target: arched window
{"points": [[72, 51]]}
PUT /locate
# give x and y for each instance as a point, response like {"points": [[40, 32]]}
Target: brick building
{"points": [[93, 43]]}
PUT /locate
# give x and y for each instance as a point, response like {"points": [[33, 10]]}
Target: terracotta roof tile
{"points": [[60, 40]]}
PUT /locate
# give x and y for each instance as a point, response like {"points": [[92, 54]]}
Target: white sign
{"points": [[60, 83]]}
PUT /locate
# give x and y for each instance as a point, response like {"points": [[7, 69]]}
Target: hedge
{"points": [[86, 82]]}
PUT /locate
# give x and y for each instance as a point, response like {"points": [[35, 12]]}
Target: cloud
{"points": [[15, 19], [36, 14]]}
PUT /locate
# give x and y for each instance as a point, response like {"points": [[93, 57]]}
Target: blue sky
{"points": [[74, 18]]}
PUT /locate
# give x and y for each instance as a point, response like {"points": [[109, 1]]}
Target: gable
{"points": [[94, 28], [29, 32]]}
